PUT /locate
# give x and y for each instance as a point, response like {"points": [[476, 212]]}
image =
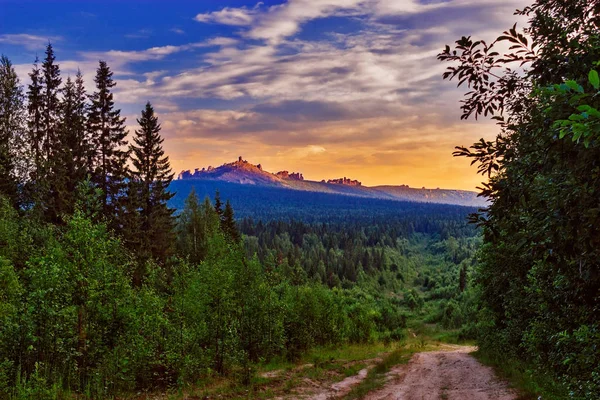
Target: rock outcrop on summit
{"points": [[345, 181], [297, 176]]}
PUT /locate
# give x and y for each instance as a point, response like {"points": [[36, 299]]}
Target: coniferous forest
{"points": [[113, 284]]}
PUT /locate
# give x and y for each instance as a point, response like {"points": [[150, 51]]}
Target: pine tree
{"points": [[150, 178], [11, 128], [72, 145], [108, 138], [228, 224]]}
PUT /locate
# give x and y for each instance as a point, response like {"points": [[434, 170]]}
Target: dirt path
{"points": [[450, 374]]}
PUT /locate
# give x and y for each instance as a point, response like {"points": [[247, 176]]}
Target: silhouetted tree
{"points": [[218, 204]]}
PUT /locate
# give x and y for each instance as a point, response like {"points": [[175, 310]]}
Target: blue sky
{"points": [[326, 87]]}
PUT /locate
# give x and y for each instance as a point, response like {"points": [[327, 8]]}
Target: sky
{"points": [[329, 88]]}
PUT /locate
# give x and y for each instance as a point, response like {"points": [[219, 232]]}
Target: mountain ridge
{"points": [[245, 173]]}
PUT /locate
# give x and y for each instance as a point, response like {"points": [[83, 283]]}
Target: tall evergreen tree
{"points": [[218, 204], [108, 138], [72, 159], [151, 176], [11, 127], [51, 81], [53, 179], [35, 133], [228, 224]]}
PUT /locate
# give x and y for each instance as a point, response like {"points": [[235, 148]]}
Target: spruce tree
{"points": [[228, 224], [108, 137], [35, 134], [72, 145], [218, 204], [151, 176], [53, 170], [11, 128], [51, 81]]}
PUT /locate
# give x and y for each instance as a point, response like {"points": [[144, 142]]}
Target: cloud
{"points": [[178, 31], [30, 42], [230, 16]]}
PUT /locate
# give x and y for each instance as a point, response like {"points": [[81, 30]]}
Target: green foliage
{"points": [[583, 125], [196, 224], [73, 149], [539, 264], [11, 129]]}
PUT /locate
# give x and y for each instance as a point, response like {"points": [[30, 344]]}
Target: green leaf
{"points": [[576, 117], [574, 86], [563, 133], [594, 79]]}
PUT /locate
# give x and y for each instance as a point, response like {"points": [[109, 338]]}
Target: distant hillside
{"points": [[242, 172], [276, 203]]}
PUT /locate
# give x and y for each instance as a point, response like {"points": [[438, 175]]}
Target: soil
{"points": [[448, 374]]}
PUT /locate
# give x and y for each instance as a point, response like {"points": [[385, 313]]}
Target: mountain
{"points": [[241, 172]]}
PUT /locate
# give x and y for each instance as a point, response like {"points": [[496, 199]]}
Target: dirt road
{"points": [[449, 374]]}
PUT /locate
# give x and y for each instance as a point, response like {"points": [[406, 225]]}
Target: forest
{"points": [[105, 290]]}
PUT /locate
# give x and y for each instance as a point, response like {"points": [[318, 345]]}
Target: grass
{"points": [[278, 377], [351, 352], [376, 376], [323, 366], [531, 385]]}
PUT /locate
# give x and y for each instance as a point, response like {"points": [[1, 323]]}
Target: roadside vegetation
{"points": [[538, 267]]}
